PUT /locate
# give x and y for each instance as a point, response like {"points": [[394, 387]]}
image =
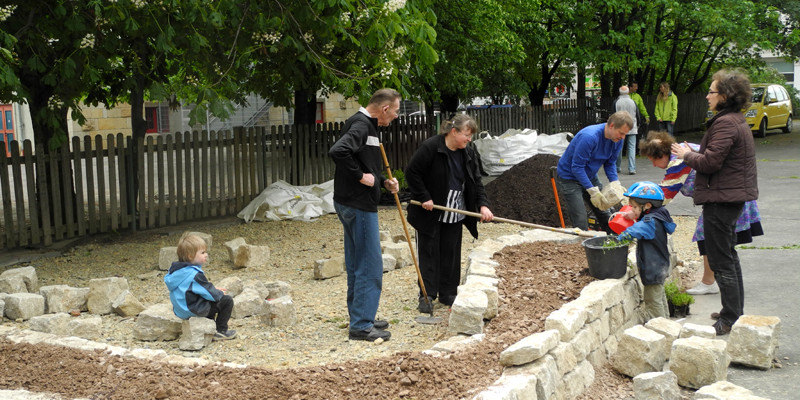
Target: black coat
{"points": [[427, 177]]}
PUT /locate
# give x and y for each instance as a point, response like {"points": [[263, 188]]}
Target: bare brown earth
{"points": [[535, 280]]}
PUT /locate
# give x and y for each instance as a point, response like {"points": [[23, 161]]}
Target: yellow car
{"points": [[771, 109]]}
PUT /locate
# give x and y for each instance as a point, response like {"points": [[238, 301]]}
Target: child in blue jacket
{"points": [[191, 294], [653, 224]]}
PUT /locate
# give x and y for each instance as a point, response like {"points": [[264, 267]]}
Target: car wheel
{"points": [[762, 129], [788, 127]]}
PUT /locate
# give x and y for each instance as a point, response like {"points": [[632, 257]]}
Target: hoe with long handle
{"points": [[422, 320]]}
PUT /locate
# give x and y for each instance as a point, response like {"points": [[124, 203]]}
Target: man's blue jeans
{"points": [[630, 145], [362, 257], [719, 225], [576, 198]]}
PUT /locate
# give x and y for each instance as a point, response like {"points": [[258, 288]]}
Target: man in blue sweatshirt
{"points": [[592, 147]]}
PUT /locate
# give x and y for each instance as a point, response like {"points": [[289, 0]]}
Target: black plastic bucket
{"points": [[607, 257]]}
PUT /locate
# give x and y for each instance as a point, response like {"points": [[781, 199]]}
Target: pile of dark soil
{"points": [[525, 193]]}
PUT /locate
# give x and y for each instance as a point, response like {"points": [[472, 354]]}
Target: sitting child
{"points": [[192, 295], [653, 223]]}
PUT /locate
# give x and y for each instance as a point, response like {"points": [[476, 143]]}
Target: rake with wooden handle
{"points": [[426, 320], [577, 232]]}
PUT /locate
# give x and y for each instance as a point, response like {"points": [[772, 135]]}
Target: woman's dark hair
{"points": [[734, 86], [459, 121], [657, 144]]}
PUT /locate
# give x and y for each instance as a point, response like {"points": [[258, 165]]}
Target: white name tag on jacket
{"points": [[373, 141]]}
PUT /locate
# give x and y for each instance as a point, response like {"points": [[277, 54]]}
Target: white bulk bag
{"points": [[499, 154], [281, 200]]}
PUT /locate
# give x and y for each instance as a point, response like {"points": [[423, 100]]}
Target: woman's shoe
{"points": [[702, 288]]}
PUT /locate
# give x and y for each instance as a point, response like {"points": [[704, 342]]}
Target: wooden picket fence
{"points": [[87, 186]]}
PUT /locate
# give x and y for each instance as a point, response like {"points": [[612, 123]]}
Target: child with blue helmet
{"points": [[653, 224]]}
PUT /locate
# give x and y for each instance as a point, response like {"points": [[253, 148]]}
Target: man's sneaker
{"points": [[380, 324], [702, 288], [425, 307], [227, 335], [722, 328], [370, 335]]}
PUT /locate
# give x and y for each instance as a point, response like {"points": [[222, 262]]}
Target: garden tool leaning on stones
{"points": [[420, 319]]}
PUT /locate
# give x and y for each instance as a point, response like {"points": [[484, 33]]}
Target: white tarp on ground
{"points": [[500, 153], [281, 200]]}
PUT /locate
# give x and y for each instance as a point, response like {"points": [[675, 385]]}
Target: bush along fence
{"points": [[96, 185]]}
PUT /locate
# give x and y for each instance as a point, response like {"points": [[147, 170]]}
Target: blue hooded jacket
{"points": [[652, 251], [190, 292]]}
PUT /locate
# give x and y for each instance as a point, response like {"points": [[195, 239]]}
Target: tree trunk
{"points": [[305, 107], [581, 96]]}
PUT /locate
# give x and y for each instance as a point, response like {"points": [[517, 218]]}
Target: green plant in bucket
{"points": [[670, 290], [682, 299]]}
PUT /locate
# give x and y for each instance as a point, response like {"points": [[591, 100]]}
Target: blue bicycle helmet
{"points": [[646, 192]]}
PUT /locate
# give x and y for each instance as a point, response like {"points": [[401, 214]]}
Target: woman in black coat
{"points": [[445, 172]]}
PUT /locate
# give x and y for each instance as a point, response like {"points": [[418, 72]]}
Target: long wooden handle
{"points": [[405, 229], [577, 232]]}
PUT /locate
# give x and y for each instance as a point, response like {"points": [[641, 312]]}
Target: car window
{"points": [[782, 95], [758, 94], [771, 94]]}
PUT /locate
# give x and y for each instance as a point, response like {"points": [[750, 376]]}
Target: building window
{"points": [[157, 119], [320, 118]]}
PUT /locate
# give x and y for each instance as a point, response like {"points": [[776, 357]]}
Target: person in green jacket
{"points": [[666, 108], [634, 89]]}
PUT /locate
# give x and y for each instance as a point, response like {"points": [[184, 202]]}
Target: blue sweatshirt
{"points": [[587, 152], [190, 292], [652, 251]]}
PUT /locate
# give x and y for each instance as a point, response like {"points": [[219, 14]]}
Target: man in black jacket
{"points": [[356, 192]]}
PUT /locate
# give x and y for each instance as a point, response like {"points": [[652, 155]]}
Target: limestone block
{"points": [[567, 321], [103, 292], [538, 235], [724, 390], [196, 333], [656, 385], [167, 256], [578, 380], [482, 268], [616, 318], [2, 309], [328, 268], [510, 387], [632, 300], [13, 284], [385, 236], [389, 262], [157, 322], [245, 255], [545, 371], [258, 286], [466, 315], [205, 236], [703, 331], [492, 295], [670, 329], [400, 239], [28, 275], [611, 345], [609, 291], [23, 306], [592, 305], [62, 298], [400, 252], [584, 343], [565, 357], [753, 340], [457, 343], [88, 327], [698, 362], [280, 312], [493, 246], [278, 289], [530, 348], [482, 280], [50, 323], [477, 254], [248, 303], [127, 305], [640, 350], [232, 284]]}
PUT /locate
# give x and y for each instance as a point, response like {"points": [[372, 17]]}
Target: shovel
{"points": [[422, 320], [577, 232]]}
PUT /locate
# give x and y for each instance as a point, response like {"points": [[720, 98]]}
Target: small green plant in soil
{"points": [[670, 290], [682, 299], [612, 242]]}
